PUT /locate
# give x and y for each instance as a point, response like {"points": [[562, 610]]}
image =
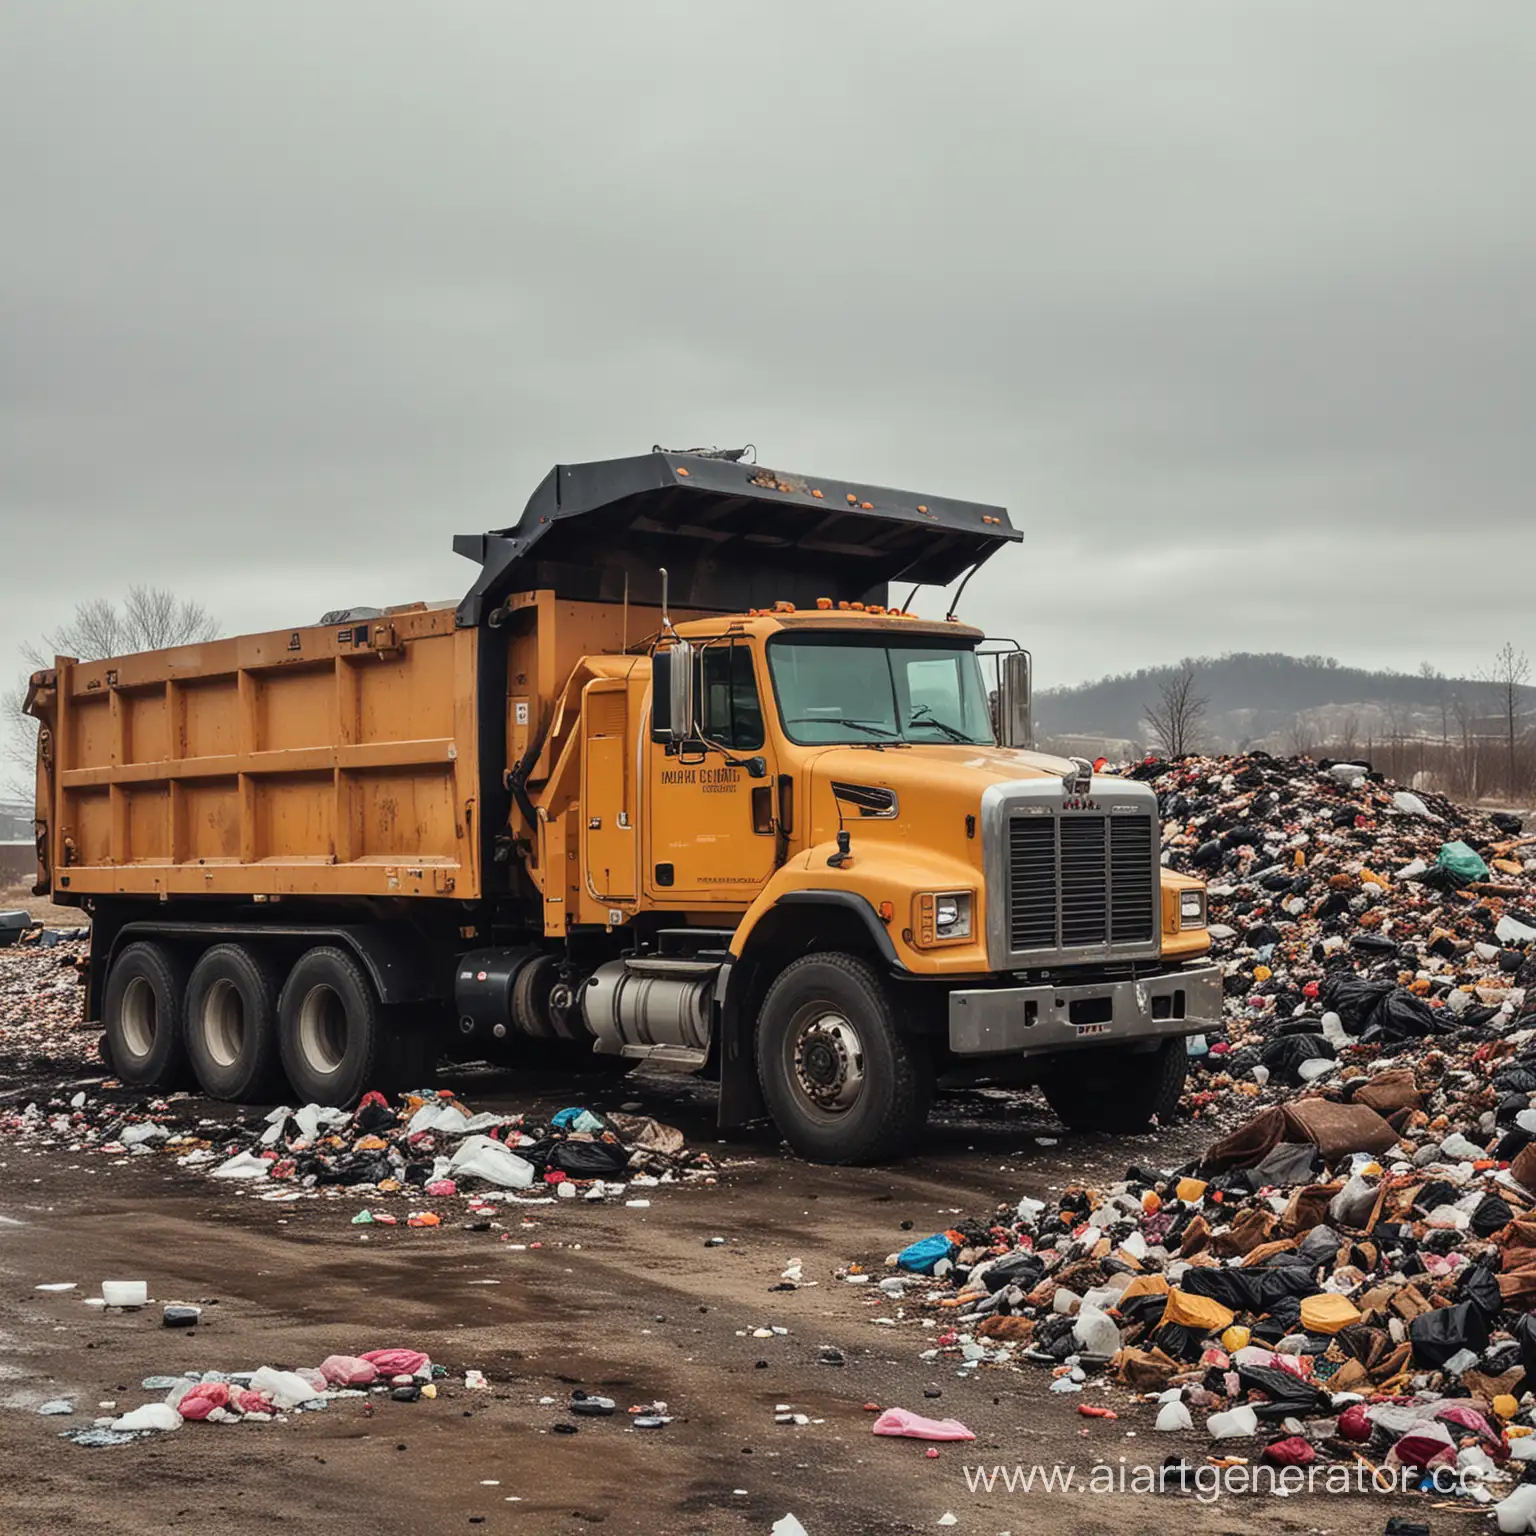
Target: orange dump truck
{"points": [[783, 832]]}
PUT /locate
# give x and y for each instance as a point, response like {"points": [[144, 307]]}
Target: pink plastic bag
{"points": [[441, 1187], [247, 1401], [897, 1421], [1467, 1417], [398, 1362], [348, 1371], [203, 1399]]}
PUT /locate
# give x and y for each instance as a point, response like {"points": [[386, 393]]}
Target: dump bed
{"points": [[332, 760]]}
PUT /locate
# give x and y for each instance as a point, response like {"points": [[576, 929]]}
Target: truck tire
{"points": [[332, 1032], [231, 1024], [1117, 1090], [842, 1080], [142, 1012]]}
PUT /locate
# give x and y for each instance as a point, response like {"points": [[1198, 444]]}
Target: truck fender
{"points": [[759, 952], [388, 952]]}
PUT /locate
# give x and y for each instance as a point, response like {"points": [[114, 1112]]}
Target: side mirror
{"points": [[1015, 714], [672, 693]]}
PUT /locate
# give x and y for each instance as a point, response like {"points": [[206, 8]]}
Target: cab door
{"points": [[609, 845], [710, 827]]}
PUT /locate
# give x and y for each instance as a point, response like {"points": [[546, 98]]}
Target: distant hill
{"points": [[1280, 702]]}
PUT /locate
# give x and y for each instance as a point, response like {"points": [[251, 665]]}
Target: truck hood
{"points": [[942, 767], [938, 791]]}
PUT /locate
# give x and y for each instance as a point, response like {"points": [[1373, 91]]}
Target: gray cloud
{"points": [[1230, 305]]}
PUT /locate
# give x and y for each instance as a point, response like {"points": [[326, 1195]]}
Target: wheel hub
{"points": [[829, 1062]]}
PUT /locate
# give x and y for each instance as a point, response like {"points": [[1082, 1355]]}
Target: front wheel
{"points": [[842, 1080], [1117, 1090]]}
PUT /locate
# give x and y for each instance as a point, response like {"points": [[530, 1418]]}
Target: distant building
{"points": [[15, 822]]}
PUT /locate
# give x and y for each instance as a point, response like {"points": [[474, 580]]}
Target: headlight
{"points": [[1191, 909], [943, 916]]}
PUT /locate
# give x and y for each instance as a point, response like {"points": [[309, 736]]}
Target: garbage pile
{"points": [[1320, 875], [41, 1032], [1348, 1273], [262, 1395], [422, 1146]]}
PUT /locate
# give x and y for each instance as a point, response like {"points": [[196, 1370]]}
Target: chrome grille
{"points": [[1132, 919], [1032, 882], [1083, 898], [1079, 882]]}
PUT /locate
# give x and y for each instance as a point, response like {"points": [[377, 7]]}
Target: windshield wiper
{"points": [[857, 725], [938, 725]]}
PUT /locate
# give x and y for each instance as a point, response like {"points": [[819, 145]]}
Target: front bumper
{"points": [[1035, 1021]]}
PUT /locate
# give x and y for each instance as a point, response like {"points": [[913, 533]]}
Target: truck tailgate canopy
{"points": [[732, 536]]}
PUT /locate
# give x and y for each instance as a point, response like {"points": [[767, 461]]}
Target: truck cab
{"points": [[825, 861]]}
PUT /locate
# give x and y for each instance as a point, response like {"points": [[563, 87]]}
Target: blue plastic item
{"points": [[921, 1256]]}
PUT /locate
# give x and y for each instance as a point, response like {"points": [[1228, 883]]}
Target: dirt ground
{"points": [[628, 1302]]}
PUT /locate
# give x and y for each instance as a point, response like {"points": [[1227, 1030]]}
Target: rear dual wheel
{"points": [[231, 1024], [337, 1040], [141, 1015], [237, 1026]]}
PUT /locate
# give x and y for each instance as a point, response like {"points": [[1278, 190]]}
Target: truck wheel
{"points": [[1117, 1090], [142, 1013], [231, 1024], [843, 1082], [331, 1030]]}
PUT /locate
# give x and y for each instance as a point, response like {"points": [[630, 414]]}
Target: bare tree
{"points": [[149, 619], [1177, 716], [1441, 694], [1507, 677], [1300, 737], [1348, 745], [1468, 774]]}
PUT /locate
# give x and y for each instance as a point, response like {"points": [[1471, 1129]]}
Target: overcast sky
{"points": [[1230, 304]]}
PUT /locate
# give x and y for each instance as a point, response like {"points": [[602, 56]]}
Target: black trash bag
{"points": [[1354, 999], [1146, 1309], [1285, 1053], [1207, 855], [1514, 1079], [1525, 1336], [1373, 944], [1439, 1334], [1286, 1311], [376, 1117], [1500, 1358], [1438, 878], [1289, 1396], [1491, 1214], [1254, 1290], [1180, 1341], [1305, 1024], [1506, 821], [1288, 1162], [1319, 1245], [1023, 1269], [1514, 1140], [1402, 1015], [589, 1159], [1480, 1286], [1436, 1193], [1511, 1105]]}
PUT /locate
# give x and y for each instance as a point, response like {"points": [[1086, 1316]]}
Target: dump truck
{"points": [[678, 781]]}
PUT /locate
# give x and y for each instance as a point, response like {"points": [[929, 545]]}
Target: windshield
{"points": [[848, 688]]}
